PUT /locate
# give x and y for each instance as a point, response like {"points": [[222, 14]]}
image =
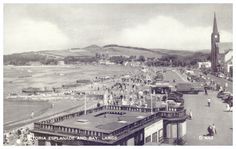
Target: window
{"points": [[148, 139], [160, 135], [154, 137], [141, 136]]}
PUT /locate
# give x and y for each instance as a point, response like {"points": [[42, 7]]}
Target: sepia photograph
{"points": [[108, 74]]}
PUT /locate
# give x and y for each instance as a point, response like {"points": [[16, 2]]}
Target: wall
{"points": [[204, 64], [153, 132], [228, 55], [173, 130], [228, 58]]}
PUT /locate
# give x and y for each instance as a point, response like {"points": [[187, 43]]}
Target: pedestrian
{"points": [[227, 107], [221, 88], [231, 107], [205, 88], [18, 141], [18, 132], [226, 85], [217, 87], [32, 115], [98, 104], [6, 138], [190, 114], [210, 130], [214, 128], [209, 102]]}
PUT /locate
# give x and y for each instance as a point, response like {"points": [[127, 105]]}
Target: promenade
{"points": [[204, 115]]}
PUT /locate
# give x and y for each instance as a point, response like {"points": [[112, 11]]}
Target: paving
{"points": [[204, 115]]}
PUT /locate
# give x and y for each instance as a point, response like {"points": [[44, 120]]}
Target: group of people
{"points": [[211, 130], [20, 136]]}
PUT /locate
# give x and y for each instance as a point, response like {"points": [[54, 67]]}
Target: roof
{"points": [[184, 86], [83, 81], [161, 84], [215, 28], [105, 121], [225, 46]]}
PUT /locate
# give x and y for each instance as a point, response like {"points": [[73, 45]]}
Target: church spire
{"points": [[215, 29]]}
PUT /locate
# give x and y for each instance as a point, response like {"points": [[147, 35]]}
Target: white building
{"points": [[226, 57], [204, 64], [228, 61], [154, 133], [60, 63]]}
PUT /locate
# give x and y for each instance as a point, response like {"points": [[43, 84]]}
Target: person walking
{"points": [[205, 88], [227, 107], [32, 115], [214, 129], [231, 107], [209, 102], [226, 85], [190, 114]]}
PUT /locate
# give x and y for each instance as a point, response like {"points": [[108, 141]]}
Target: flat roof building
{"points": [[113, 125]]}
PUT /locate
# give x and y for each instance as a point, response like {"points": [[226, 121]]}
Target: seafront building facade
{"points": [[226, 57], [114, 125]]}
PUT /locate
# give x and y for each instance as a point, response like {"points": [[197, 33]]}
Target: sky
{"points": [[37, 27]]}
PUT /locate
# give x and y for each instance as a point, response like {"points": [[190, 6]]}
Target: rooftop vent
{"points": [[82, 121], [123, 122], [140, 117]]}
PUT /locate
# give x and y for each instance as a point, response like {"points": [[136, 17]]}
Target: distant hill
{"points": [[205, 51], [175, 52], [131, 51], [93, 48], [90, 51]]}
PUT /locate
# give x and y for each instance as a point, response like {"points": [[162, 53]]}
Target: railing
{"points": [[71, 115], [110, 107], [158, 113], [69, 130], [173, 114]]}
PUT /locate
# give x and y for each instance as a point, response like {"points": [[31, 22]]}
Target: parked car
{"points": [[220, 75], [230, 79], [226, 96], [228, 99], [176, 96], [222, 94], [175, 93]]}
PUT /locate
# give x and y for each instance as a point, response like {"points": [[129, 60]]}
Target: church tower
{"points": [[215, 39]]}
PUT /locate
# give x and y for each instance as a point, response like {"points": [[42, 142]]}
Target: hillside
{"points": [[52, 56]]}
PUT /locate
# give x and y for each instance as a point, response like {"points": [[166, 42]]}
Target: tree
{"points": [[141, 58]]}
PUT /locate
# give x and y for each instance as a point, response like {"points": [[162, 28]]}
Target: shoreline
{"points": [[45, 107]]}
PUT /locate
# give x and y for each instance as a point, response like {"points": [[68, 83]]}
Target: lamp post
{"points": [[85, 106], [151, 105]]}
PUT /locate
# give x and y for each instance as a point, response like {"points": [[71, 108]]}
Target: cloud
{"points": [[166, 32], [43, 27], [29, 35]]}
